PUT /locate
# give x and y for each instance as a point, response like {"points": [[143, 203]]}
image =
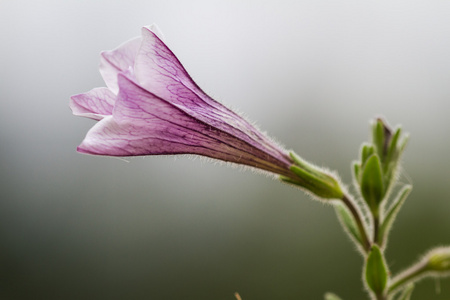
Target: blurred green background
{"points": [[311, 73]]}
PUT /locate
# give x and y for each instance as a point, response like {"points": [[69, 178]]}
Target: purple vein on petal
{"points": [[136, 103], [118, 60], [95, 104], [159, 71], [144, 124]]}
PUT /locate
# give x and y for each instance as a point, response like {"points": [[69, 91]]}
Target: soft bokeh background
{"points": [[311, 73]]}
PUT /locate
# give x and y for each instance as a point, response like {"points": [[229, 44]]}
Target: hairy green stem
{"points": [[381, 297], [410, 275], [359, 222], [376, 227]]}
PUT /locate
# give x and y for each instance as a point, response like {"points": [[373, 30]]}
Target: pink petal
{"points": [[159, 71], [143, 124], [118, 60], [108, 137], [139, 107], [95, 104], [155, 29]]}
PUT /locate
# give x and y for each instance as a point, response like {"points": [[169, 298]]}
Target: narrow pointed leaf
{"points": [[392, 214], [349, 223], [376, 271], [372, 187], [392, 152], [391, 162], [378, 137]]}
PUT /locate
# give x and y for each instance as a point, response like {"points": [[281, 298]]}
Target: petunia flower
{"points": [[151, 106]]}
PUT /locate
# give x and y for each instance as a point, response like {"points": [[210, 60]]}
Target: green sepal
{"points": [[331, 296], [307, 166], [376, 271], [314, 179], [392, 214], [349, 223], [407, 291], [322, 185], [372, 187]]}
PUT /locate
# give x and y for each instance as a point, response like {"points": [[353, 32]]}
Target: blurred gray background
{"points": [[310, 73]]}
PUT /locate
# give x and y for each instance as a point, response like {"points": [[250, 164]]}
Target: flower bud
{"points": [[435, 263], [438, 260]]}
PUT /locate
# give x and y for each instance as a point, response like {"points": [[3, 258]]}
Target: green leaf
{"points": [[331, 296], [406, 294], [376, 272], [379, 137], [390, 165], [349, 223], [366, 151], [392, 214], [392, 153], [372, 187]]}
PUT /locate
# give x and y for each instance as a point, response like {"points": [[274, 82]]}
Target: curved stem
{"points": [[359, 222], [411, 274]]}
